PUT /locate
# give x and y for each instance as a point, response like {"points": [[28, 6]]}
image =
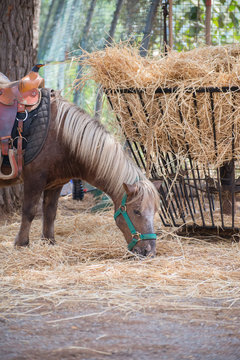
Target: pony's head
{"points": [[134, 215]]}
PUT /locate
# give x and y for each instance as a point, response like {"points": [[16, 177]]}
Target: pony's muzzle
{"points": [[145, 248]]}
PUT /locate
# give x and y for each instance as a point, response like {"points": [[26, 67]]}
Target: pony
{"points": [[79, 146]]}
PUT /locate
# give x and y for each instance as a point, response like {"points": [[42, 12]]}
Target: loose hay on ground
{"points": [[90, 264], [121, 67]]}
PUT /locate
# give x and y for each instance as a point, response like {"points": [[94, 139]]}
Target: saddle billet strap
{"points": [[19, 146], [26, 107]]}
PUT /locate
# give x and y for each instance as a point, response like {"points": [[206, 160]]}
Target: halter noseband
{"points": [[136, 236]]}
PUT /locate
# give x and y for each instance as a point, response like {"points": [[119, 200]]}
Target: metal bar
{"points": [[233, 175], [198, 126], [153, 170], [165, 204], [181, 197], [211, 196], [193, 173], [162, 219], [174, 187], [166, 183], [175, 89], [210, 202], [173, 171], [216, 153], [187, 148], [217, 228], [135, 143], [128, 142]]}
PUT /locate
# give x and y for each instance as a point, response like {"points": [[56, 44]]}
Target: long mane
{"points": [[89, 141]]}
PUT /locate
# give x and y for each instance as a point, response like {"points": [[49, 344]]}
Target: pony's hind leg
{"points": [[50, 202]]}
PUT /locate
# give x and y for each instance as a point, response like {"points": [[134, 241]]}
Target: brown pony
{"points": [[78, 146]]}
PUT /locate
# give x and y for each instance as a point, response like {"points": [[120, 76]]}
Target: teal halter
{"points": [[136, 236]]}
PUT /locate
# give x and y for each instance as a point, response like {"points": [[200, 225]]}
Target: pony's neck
{"points": [[101, 185]]}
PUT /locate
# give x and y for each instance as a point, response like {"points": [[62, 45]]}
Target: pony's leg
{"points": [[32, 194], [50, 202]]}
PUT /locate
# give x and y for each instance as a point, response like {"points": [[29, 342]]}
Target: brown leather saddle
{"points": [[20, 96]]}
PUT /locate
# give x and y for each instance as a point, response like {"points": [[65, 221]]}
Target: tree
{"points": [[83, 42], [18, 43], [109, 40], [48, 26], [148, 27]]}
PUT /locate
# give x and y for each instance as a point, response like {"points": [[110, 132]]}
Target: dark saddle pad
{"points": [[35, 128]]}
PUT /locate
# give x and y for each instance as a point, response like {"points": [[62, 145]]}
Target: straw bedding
{"points": [[90, 263], [157, 124]]}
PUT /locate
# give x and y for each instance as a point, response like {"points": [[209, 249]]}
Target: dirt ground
{"points": [[97, 332], [170, 326]]}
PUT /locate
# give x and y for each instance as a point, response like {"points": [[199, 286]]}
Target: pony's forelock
{"points": [[146, 193]]}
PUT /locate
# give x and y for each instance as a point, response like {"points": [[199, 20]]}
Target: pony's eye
{"points": [[137, 212]]}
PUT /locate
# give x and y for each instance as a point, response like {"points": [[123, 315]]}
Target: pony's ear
{"points": [[157, 184], [129, 189]]}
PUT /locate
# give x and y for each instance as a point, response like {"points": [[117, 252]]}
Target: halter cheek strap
{"points": [[136, 236]]}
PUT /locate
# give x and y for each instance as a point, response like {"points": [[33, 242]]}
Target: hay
{"points": [[157, 125], [90, 264]]}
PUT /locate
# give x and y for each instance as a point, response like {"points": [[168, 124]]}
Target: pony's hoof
{"points": [[48, 241], [21, 243]]}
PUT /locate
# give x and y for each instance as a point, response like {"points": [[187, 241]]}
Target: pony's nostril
{"points": [[149, 252], [148, 248], [145, 252]]}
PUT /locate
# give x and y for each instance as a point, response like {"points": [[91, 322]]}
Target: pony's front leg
{"points": [[32, 194], [50, 202]]}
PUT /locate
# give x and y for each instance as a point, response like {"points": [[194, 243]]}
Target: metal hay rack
{"points": [[193, 198]]}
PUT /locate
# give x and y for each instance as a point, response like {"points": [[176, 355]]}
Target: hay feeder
{"points": [[195, 155]]}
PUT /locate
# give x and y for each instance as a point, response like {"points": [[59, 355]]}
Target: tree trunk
{"points": [[83, 44], [148, 27], [109, 40], [18, 45], [208, 22], [170, 24], [114, 22], [88, 23], [45, 31]]}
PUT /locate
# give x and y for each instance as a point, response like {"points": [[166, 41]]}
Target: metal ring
{"points": [[18, 137], [26, 116], [123, 208], [136, 236]]}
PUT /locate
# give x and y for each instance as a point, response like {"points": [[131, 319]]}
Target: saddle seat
{"points": [[20, 96]]}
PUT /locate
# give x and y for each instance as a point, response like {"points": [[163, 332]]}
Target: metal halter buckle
{"points": [[136, 236], [123, 208]]}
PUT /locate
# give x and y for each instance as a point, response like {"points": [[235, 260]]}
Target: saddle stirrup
{"points": [[13, 165]]}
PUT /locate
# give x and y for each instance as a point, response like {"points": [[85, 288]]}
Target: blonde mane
{"points": [[89, 141]]}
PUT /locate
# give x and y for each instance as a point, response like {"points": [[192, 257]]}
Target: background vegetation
{"points": [[68, 25]]}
